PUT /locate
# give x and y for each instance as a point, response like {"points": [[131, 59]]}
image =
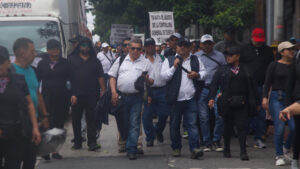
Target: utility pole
{"points": [[278, 20]]}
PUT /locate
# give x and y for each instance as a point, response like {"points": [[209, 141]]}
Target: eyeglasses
{"points": [[133, 48]]}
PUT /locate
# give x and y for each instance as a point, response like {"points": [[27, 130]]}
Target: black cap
{"points": [[232, 50], [75, 38], [149, 41], [4, 56], [53, 44], [184, 42]]}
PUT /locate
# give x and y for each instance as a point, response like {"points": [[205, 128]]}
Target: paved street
{"points": [[157, 157]]}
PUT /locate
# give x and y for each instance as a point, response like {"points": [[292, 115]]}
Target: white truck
{"points": [[42, 20]]}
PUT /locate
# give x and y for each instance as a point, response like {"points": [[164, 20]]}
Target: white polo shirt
{"points": [[129, 72], [155, 72], [187, 89]]}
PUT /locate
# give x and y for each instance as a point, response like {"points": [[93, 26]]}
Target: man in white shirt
{"points": [[183, 73], [122, 83], [106, 58], [156, 102]]}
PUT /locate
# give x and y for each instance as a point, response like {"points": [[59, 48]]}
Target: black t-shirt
{"points": [[53, 80], [238, 84], [276, 77], [12, 96], [85, 75]]}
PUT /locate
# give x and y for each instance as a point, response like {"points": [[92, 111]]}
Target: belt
{"points": [[130, 94]]}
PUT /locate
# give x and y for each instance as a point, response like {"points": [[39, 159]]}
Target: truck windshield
{"points": [[38, 31]]}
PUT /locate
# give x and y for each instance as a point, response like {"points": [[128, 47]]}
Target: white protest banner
{"points": [[120, 32], [161, 25]]}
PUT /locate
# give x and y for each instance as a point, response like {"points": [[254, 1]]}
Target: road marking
{"points": [[195, 168]]}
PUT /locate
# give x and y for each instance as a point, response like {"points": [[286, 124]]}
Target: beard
{"points": [[85, 52]]}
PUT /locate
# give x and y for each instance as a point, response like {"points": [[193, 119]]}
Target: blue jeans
{"points": [[204, 119], [188, 109], [259, 121], [131, 108], [161, 108], [275, 107]]}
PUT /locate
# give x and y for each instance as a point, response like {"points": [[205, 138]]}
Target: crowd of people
{"points": [[214, 89]]}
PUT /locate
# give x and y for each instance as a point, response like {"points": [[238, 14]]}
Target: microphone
{"points": [[180, 64]]}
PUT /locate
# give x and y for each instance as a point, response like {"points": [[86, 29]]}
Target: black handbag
{"points": [[236, 101], [139, 84]]}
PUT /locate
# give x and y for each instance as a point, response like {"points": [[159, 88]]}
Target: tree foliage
{"points": [[207, 13]]}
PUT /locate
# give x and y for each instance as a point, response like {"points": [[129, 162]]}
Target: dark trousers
{"points": [[57, 105], [87, 104], [235, 117], [11, 152], [296, 146], [29, 155]]}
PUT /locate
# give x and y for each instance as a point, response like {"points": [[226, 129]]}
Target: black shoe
{"points": [[46, 157], [94, 147], [227, 154], [150, 143], [244, 157], [140, 151], [83, 139], [122, 149], [73, 139], [76, 147], [196, 153], [160, 137], [56, 156], [131, 156]]}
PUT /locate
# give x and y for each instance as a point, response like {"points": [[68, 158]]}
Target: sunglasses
{"points": [[125, 45], [133, 48]]}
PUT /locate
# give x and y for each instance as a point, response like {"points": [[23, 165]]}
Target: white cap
{"points": [[177, 35], [206, 37], [104, 45], [284, 45]]}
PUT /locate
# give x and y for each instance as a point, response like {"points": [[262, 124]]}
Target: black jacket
{"points": [[293, 84], [221, 80], [257, 61]]}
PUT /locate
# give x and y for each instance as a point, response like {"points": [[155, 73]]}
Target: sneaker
{"points": [[94, 147], [131, 156], [140, 151], [196, 153], [176, 153], [46, 157], [259, 144], [279, 161], [185, 135], [207, 148], [76, 147], [160, 137], [57, 156], [295, 164], [287, 154], [217, 146], [122, 149]]}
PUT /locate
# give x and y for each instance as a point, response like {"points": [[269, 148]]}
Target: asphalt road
{"points": [[157, 157]]}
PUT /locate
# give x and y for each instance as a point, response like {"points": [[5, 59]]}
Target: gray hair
{"points": [[136, 40]]}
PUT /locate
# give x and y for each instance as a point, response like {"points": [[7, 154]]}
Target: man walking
{"points": [[122, 83], [86, 77], [156, 101], [183, 73], [211, 59]]}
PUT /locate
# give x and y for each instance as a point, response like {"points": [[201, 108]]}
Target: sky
{"points": [[90, 23]]}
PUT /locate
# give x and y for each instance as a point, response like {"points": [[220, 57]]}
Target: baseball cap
{"points": [[232, 50], [149, 41], [183, 42], [206, 37], [176, 35], [104, 45], [285, 45], [258, 35], [53, 43], [76, 38]]}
